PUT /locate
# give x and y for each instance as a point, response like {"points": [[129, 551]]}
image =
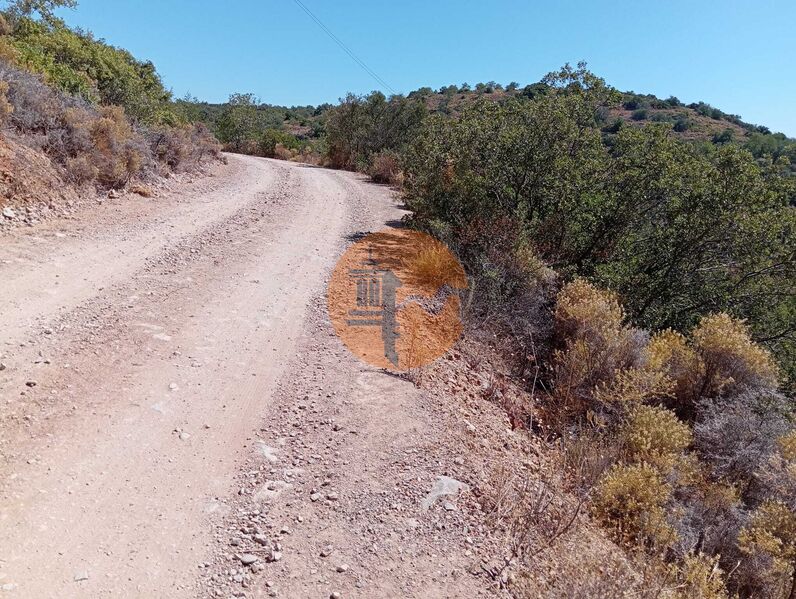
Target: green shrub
{"points": [[362, 126]]}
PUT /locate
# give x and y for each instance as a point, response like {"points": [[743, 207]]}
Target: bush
{"points": [[5, 106], [724, 137], [639, 115], [629, 501], [668, 352], [699, 577], [596, 343], [736, 436], [362, 126], [732, 360], [683, 124], [76, 63], [771, 533], [183, 147], [386, 168], [632, 386], [655, 436], [271, 138]]}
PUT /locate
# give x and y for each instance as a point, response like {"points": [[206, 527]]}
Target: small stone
{"points": [[449, 506], [184, 436], [342, 568], [48, 331], [332, 496], [335, 595], [261, 539], [3, 366], [81, 576], [313, 497], [247, 559], [9, 212], [285, 531], [327, 551], [31, 383], [173, 386]]}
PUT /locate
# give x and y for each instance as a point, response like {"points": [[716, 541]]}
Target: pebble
{"points": [[332, 496], [315, 496], [327, 551], [184, 436], [31, 383], [261, 539], [248, 559], [173, 386], [3, 366], [335, 595], [81, 576], [342, 568]]}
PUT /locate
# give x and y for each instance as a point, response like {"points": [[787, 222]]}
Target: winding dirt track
{"points": [[154, 331]]}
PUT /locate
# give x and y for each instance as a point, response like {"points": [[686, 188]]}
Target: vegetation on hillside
{"points": [[100, 115]]}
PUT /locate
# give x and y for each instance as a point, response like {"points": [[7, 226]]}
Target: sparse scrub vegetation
{"points": [[707, 492]]}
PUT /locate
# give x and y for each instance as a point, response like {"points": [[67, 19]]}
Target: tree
{"points": [[362, 126], [44, 8], [238, 121]]}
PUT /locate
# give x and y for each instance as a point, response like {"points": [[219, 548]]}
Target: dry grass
{"points": [[433, 266]]}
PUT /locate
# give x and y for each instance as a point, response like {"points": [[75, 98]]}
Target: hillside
{"points": [[698, 122], [79, 116]]}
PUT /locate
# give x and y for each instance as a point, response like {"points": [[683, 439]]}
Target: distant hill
{"points": [[697, 122]]}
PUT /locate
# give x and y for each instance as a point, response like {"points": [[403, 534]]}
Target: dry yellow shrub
{"points": [[629, 500], [596, 345], [434, 266], [633, 386], [699, 577], [787, 446], [655, 435], [730, 356], [669, 352], [772, 532], [581, 307]]}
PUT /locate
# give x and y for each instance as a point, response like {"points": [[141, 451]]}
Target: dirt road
{"points": [[148, 346]]}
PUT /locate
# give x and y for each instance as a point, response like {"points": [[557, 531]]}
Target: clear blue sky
{"points": [[739, 56]]}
